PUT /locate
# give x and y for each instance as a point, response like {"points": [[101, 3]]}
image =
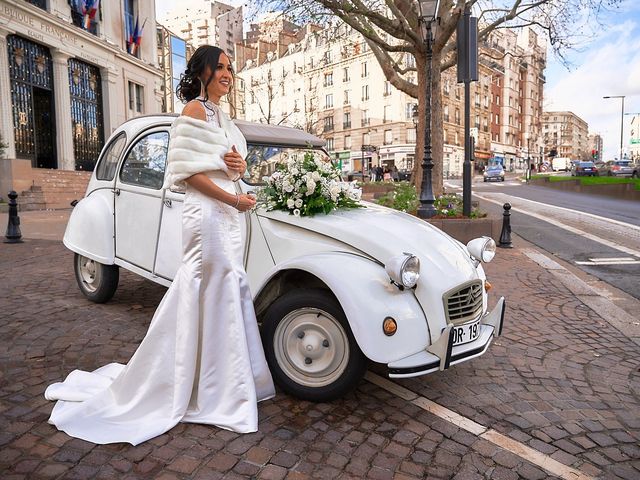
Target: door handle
{"points": [[116, 191], [167, 202]]}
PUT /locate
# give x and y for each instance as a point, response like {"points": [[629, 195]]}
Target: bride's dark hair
{"points": [[190, 85]]}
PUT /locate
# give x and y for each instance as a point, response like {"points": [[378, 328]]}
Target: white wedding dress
{"points": [[201, 360]]}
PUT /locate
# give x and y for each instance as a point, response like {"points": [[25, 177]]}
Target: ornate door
{"points": [[31, 75], [86, 113]]}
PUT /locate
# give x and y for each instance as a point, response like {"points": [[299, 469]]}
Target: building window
{"points": [[328, 101], [328, 124], [477, 122], [136, 103], [497, 119], [345, 74], [364, 69], [411, 135], [39, 3], [328, 79], [346, 121], [327, 56], [410, 110], [330, 144], [446, 88], [446, 113], [477, 102], [386, 114], [88, 22], [365, 118], [410, 60], [457, 116], [388, 137], [365, 92], [346, 97], [130, 31], [497, 99], [347, 142], [387, 88]]}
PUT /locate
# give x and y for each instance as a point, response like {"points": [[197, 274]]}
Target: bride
{"points": [[201, 360]]}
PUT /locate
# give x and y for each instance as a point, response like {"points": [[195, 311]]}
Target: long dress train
{"points": [[201, 360]]}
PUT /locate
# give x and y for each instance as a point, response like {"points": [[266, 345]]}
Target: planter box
{"points": [[465, 229], [623, 191]]}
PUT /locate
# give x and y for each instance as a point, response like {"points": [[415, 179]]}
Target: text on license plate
{"points": [[466, 333]]}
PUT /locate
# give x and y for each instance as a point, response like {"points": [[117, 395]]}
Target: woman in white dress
{"points": [[201, 360]]}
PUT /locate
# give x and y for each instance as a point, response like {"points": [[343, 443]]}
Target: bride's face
{"points": [[222, 79]]}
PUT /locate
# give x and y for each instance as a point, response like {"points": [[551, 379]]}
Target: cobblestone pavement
{"points": [[560, 380]]}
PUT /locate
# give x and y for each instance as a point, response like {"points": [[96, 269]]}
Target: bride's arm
{"points": [[202, 183]]}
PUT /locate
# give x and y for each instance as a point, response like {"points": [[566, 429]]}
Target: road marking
{"points": [[577, 231], [609, 261], [520, 449], [597, 217]]}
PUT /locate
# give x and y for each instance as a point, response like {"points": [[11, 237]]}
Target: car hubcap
{"points": [[90, 273], [311, 347]]}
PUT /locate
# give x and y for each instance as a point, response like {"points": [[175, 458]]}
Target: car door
{"points": [[170, 238], [138, 198]]}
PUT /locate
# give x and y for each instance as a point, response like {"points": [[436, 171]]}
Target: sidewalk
{"points": [[562, 381]]}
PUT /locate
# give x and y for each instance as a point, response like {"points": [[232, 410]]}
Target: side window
{"points": [[144, 165], [107, 168]]}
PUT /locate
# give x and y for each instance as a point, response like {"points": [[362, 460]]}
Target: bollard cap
{"points": [[507, 206], [13, 195]]}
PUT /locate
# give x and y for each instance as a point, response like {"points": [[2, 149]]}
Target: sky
{"points": [[607, 64]]}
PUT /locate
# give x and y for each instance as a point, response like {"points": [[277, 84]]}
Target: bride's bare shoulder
{"points": [[195, 109]]}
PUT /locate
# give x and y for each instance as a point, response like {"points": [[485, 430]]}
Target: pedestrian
{"points": [[395, 175], [386, 174], [201, 360]]}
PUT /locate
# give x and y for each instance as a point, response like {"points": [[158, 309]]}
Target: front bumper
{"points": [[442, 354]]}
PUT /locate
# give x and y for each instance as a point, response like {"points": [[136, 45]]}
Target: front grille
{"points": [[464, 303]]}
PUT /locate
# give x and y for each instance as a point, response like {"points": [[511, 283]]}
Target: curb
{"points": [[610, 312]]}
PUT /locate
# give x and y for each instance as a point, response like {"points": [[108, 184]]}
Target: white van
{"points": [[561, 164]]}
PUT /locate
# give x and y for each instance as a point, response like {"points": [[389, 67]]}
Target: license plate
{"points": [[466, 333]]}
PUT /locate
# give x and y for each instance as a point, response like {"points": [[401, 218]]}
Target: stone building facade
{"points": [[64, 88], [565, 135]]}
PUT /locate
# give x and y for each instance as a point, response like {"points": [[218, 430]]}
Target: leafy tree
{"points": [[391, 29]]}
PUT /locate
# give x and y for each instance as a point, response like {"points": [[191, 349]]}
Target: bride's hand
{"points": [[234, 161], [245, 202]]}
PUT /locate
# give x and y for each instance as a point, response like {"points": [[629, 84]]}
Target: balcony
{"points": [[346, 125], [365, 122], [328, 127]]}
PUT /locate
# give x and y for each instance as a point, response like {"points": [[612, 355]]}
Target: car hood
{"points": [[382, 233]]}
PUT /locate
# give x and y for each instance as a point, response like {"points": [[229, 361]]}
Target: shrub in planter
{"points": [[403, 197]]}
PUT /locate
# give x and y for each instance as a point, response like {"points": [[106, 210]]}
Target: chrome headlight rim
{"points": [[397, 269], [482, 249]]}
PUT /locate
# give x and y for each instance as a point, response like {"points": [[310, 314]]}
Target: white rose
{"points": [[291, 203], [298, 203], [316, 176], [288, 188]]}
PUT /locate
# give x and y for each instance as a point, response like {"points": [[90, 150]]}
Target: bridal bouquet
{"points": [[306, 186]]}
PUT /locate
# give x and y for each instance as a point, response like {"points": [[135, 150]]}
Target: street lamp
{"points": [[428, 14], [621, 120]]}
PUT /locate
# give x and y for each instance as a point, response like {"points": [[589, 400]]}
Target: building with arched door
{"points": [[71, 71]]}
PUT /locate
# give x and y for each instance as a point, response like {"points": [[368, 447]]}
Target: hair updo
{"points": [[190, 85]]}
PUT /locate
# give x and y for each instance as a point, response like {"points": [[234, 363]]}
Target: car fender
{"points": [[367, 297], [89, 231]]}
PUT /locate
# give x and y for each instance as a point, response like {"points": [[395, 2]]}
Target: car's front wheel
{"points": [[97, 281], [309, 346]]}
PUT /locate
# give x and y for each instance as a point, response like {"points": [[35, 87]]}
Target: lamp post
{"points": [[428, 14], [621, 120]]}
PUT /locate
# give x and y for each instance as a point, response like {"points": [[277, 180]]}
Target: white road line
{"points": [[582, 233], [620, 262], [520, 449], [597, 217]]}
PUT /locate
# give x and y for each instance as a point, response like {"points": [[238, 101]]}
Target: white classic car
{"points": [[331, 292]]}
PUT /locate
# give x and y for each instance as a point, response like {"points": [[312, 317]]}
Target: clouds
{"points": [[610, 65]]}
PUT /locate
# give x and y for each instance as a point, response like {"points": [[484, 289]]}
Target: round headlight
{"points": [[483, 248], [404, 270]]}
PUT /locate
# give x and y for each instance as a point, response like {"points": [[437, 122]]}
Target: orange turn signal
{"points": [[389, 326], [487, 286]]}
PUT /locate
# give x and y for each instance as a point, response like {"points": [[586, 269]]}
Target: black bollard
{"points": [[505, 235], [13, 234]]}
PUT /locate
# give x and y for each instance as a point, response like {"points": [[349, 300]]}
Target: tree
{"points": [[391, 29]]}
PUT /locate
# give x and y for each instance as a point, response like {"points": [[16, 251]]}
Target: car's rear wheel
{"points": [[309, 346], [97, 281]]}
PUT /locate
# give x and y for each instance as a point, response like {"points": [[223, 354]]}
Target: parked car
{"points": [[583, 169], [494, 172], [331, 292], [617, 168]]}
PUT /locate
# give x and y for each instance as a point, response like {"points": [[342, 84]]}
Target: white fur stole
{"points": [[196, 146]]}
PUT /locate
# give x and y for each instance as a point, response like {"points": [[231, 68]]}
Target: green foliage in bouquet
{"points": [[403, 197], [307, 186]]}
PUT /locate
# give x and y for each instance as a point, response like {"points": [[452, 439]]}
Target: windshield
{"points": [[263, 159], [623, 163], [495, 167]]}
